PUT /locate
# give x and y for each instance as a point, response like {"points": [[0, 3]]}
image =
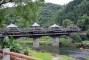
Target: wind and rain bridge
{"points": [[36, 31]]}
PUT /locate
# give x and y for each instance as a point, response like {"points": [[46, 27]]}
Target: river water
{"points": [[73, 52], [79, 54]]}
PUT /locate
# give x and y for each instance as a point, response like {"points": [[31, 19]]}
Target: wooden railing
{"points": [[21, 56], [5, 53]]}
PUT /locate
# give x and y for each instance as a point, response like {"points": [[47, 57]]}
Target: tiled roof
{"points": [[54, 25], [11, 25], [35, 24]]}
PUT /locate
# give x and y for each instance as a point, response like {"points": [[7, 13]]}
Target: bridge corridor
{"points": [[35, 32]]}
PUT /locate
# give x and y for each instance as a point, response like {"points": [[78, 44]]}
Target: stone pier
{"points": [[55, 41], [1, 40], [36, 44], [70, 39]]}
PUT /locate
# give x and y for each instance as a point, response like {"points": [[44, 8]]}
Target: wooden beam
{"points": [[1, 55], [21, 56], [1, 51]]}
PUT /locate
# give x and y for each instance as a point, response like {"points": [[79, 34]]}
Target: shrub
{"points": [[64, 36], [83, 37], [12, 44], [87, 34], [76, 37], [64, 42]]}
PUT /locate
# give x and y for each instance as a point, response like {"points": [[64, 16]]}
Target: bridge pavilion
{"points": [[35, 32]]}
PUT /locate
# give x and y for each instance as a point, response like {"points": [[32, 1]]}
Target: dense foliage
{"points": [[75, 12], [76, 37], [23, 13], [48, 14], [87, 34], [12, 44], [64, 42]]}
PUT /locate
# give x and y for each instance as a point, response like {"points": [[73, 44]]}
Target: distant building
{"points": [[55, 26], [35, 25], [12, 28], [72, 27]]}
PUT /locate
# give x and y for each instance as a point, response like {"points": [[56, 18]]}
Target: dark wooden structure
{"points": [[35, 32], [54, 30]]}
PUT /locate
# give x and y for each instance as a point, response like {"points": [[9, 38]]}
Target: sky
{"points": [[60, 2]]}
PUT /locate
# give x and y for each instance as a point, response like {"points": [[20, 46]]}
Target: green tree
{"points": [[2, 18], [17, 1], [66, 22], [73, 10], [28, 12], [64, 42], [64, 36], [48, 14], [22, 23], [76, 37], [83, 22]]}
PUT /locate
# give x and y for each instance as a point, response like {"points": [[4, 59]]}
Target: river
{"points": [[79, 54]]}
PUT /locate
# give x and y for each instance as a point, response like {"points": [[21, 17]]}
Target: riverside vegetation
{"points": [[16, 47], [47, 41]]}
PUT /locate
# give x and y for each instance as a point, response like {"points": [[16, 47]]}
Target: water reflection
{"points": [[69, 51], [75, 53], [55, 50]]}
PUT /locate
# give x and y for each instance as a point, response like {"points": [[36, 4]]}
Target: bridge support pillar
{"points": [[55, 41], [0, 47], [36, 44], [6, 56], [70, 39], [1, 40]]}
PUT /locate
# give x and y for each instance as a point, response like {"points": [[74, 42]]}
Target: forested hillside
{"points": [[76, 11], [48, 14]]}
